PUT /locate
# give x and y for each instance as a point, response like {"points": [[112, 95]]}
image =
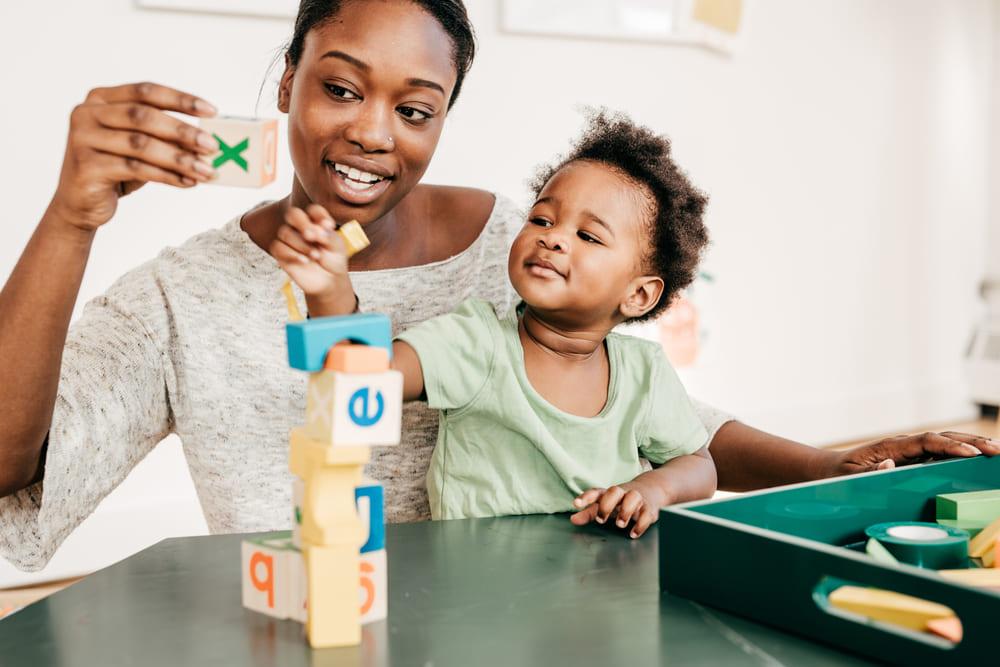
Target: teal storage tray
{"points": [[774, 556]]}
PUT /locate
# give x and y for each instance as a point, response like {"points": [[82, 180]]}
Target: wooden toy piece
{"points": [[983, 542], [294, 314], [267, 576], [248, 150], [354, 237], [329, 512], [972, 505], [888, 606], [374, 587], [989, 559], [950, 628], [298, 493], [334, 617], [306, 454], [978, 577], [875, 549], [310, 340], [370, 499], [350, 409], [350, 358], [996, 553]]}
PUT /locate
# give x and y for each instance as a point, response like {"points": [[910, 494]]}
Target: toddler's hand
{"points": [[314, 255], [630, 502]]}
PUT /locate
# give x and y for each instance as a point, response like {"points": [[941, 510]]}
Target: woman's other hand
{"points": [[906, 449], [121, 138]]}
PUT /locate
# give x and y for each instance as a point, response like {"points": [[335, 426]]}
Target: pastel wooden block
{"points": [[989, 559], [888, 606], [333, 617], [374, 586], [350, 358], [267, 576], [298, 496], [972, 505], [950, 628], [248, 150], [354, 237], [310, 340], [306, 455], [875, 549], [370, 498], [984, 540], [329, 513], [979, 577], [350, 409]]}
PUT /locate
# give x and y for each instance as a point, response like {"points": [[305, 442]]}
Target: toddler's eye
{"points": [[589, 238], [341, 92], [541, 222], [415, 115]]}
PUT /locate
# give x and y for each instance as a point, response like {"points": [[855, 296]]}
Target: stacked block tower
{"points": [[331, 573]]}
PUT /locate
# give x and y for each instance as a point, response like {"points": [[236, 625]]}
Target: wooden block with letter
{"points": [[248, 150], [351, 409], [333, 616], [268, 576]]}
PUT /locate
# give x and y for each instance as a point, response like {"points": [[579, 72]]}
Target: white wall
{"points": [[845, 148]]}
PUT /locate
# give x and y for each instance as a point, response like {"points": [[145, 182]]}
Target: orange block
{"points": [[357, 359], [950, 628]]}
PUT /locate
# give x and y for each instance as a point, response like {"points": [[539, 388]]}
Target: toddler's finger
{"points": [[587, 497], [583, 517], [631, 503], [608, 502], [646, 518]]}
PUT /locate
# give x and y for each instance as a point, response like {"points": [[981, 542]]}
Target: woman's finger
{"points": [[152, 121], [123, 169], [987, 446], [587, 497], [286, 255], [321, 217], [153, 94], [608, 502], [153, 151], [293, 239], [631, 503]]}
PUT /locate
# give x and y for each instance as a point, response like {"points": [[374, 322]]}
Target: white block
{"points": [[267, 576], [248, 148], [350, 409]]}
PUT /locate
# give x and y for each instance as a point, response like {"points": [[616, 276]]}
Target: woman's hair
{"points": [[677, 234], [450, 14]]}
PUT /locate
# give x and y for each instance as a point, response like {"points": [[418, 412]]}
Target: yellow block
{"points": [[984, 541], [329, 510], [895, 608], [333, 616], [354, 237], [307, 454], [985, 577], [722, 14]]}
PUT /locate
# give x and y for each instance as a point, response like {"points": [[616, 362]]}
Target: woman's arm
{"points": [[747, 458], [119, 139]]}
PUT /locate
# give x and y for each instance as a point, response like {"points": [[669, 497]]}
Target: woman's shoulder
{"points": [[473, 210]]}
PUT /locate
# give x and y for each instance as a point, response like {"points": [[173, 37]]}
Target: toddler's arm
{"points": [[689, 477]]}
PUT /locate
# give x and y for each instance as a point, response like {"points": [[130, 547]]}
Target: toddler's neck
{"points": [[570, 341]]}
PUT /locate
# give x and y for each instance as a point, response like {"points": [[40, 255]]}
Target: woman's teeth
{"points": [[355, 178]]}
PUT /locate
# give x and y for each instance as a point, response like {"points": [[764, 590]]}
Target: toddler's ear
{"points": [[641, 296]]}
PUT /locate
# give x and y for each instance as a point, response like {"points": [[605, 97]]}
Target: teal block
{"points": [[970, 506], [310, 340], [376, 515]]}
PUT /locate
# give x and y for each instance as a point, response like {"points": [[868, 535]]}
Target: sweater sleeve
{"points": [[111, 409]]}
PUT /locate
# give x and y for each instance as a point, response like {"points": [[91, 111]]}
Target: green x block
{"points": [[233, 153]]}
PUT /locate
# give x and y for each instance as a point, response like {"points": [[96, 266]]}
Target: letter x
{"points": [[233, 153]]}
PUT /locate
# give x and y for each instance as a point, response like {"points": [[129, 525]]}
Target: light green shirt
{"points": [[503, 449]]}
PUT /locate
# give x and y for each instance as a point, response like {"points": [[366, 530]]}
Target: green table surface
{"points": [[511, 591]]}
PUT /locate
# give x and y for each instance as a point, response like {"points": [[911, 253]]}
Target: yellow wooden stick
{"points": [[354, 238]]}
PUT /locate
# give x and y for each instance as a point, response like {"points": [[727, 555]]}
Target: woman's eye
{"points": [[341, 92], [416, 115], [541, 222], [589, 238]]}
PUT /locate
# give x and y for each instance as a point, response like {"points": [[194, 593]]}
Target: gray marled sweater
{"points": [[193, 343]]}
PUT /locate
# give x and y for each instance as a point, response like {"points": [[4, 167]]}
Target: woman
{"points": [[192, 341]]}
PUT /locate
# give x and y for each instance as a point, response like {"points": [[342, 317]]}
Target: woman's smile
{"points": [[356, 186]]}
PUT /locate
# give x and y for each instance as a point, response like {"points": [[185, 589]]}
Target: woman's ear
{"points": [[641, 296], [285, 86]]}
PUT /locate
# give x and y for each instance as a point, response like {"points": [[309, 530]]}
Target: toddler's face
{"points": [[582, 244]]}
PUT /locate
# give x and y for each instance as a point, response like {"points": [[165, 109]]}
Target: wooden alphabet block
{"points": [[373, 588], [350, 409], [357, 359], [248, 150], [267, 576], [334, 617], [983, 541], [972, 505], [354, 237], [370, 501]]}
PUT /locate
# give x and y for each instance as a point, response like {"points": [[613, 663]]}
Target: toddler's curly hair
{"points": [[677, 234]]}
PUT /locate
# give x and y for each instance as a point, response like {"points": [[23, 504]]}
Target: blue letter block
{"points": [[310, 340], [376, 515]]}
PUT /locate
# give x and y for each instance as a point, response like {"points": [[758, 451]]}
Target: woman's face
{"points": [[366, 105]]}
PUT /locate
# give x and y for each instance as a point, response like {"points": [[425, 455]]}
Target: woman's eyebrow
{"points": [[424, 83], [360, 64]]}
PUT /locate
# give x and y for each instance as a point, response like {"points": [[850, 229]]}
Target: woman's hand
{"points": [[633, 502], [314, 255], [120, 139], [907, 449]]}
